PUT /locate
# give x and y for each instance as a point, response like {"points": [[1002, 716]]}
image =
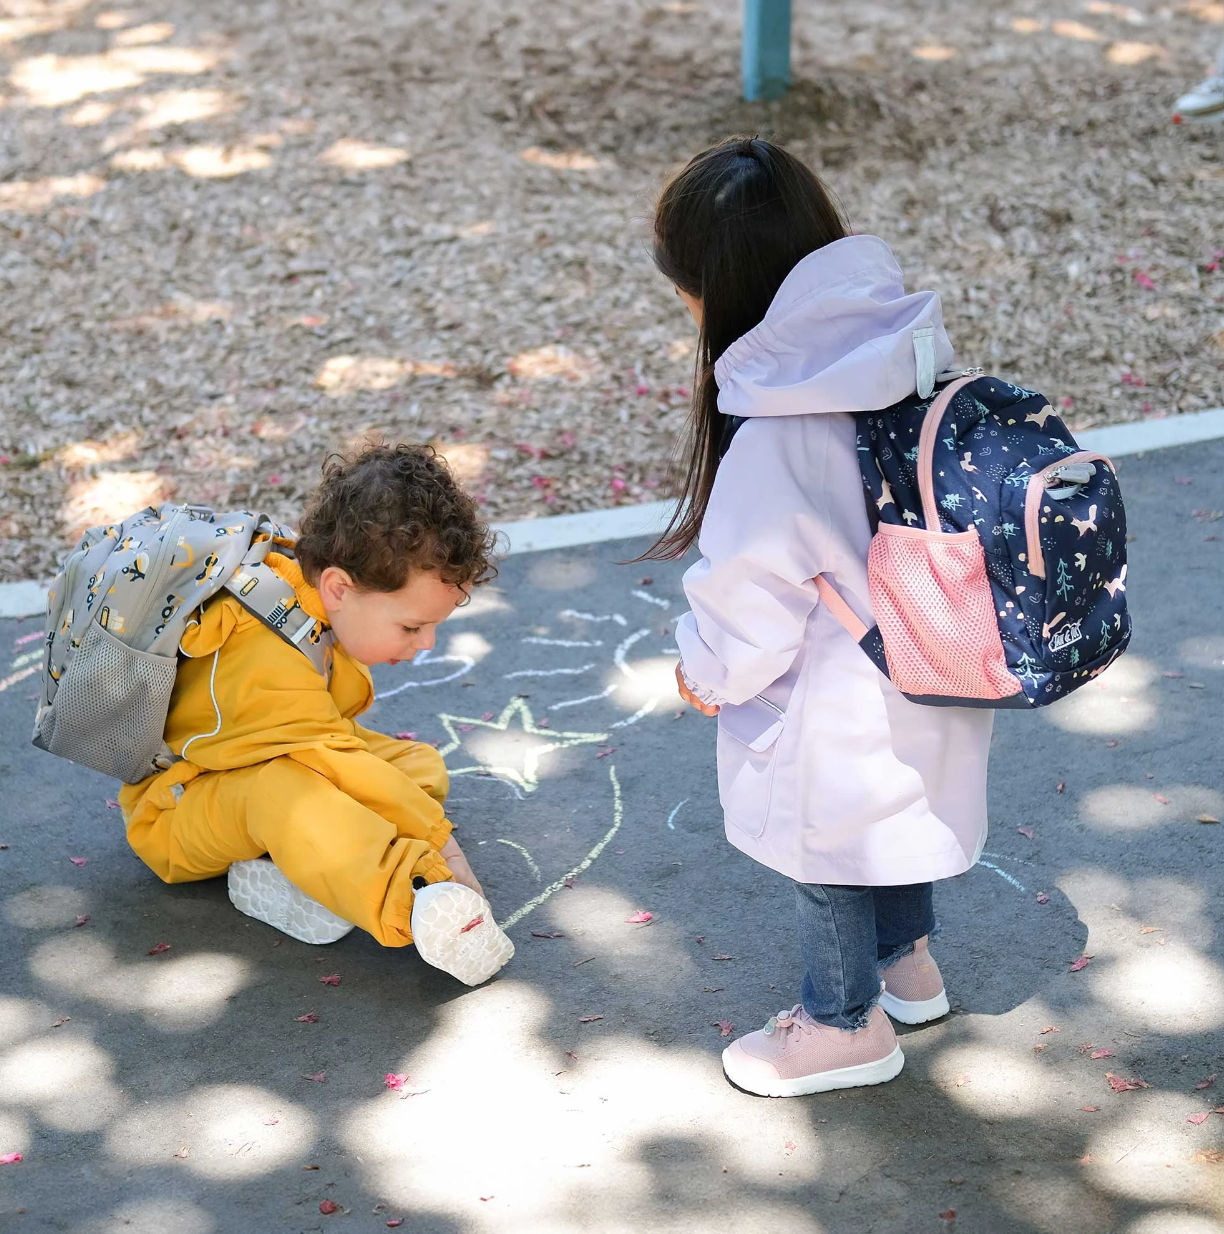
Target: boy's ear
{"points": [[332, 585]]}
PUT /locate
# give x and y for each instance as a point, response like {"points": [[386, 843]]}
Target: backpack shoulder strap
{"points": [[264, 594]]}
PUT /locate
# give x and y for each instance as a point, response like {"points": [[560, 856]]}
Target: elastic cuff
{"points": [[701, 692], [438, 835], [432, 868]]}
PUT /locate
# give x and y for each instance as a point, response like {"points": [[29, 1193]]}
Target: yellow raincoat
{"points": [[274, 762]]}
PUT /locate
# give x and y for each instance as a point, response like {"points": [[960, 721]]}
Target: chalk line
{"points": [[637, 715], [671, 818], [990, 865], [427, 657], [575, 615], [562, 642], [583, 865], [549, 672], [535, 869], [618, 656], [586, 698], [27, 638], [645, 595], [14, 678]]}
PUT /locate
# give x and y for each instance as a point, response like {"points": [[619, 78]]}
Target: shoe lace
{"points": [[787, 1020]]}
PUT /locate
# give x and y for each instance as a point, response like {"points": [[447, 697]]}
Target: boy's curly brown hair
{"points": [[385, 510]]}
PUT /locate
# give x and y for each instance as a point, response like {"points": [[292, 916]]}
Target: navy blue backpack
{"points": [[998, 566]]}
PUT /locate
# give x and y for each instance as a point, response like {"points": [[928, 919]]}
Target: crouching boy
{"points": [[322, 824]]}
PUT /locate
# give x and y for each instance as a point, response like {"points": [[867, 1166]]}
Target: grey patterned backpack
{"points": [[118, 610]]}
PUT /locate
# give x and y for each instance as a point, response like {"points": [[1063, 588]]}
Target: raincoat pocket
{"points": [[747, 748]]}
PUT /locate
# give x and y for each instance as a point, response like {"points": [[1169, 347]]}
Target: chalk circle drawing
{"points": [[466, 664], [526, 776], [584, 865]]}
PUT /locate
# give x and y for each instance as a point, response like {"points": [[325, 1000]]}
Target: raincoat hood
{"points": [[840, 336]]}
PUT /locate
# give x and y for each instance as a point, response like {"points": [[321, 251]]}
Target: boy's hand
{"points": [[452, 854], [706, 709]]}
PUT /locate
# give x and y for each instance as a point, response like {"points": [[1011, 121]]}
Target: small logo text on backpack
{"points": [[1065, 637]]}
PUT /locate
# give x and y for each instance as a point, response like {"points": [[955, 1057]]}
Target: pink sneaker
{"points": [[794, 1055], [913, 988]]}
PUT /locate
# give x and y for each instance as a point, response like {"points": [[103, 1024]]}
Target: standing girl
{"points": [[826, 773]]}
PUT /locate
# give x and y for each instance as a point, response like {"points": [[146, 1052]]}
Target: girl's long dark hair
{"points": [[728, 229]]}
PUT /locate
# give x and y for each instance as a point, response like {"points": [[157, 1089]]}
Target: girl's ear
{"points": [[693, 304]]}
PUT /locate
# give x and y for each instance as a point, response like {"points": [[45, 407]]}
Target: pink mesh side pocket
{"points": [[933, 603]]}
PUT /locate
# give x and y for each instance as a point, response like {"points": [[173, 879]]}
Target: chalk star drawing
{"points": [[532, 751]]}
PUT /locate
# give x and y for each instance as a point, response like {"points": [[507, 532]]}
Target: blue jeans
{"points": [[846, 935]]}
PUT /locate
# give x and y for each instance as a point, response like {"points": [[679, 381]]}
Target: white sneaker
{"points": [[454, 930], [260, 890], [1204, 102]]}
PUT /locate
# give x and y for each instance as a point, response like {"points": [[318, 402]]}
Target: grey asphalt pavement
{"points": [[221, 1086]]}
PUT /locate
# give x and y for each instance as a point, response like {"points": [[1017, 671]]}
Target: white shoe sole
{"points": [[454, 930], [260, 890], [859, 1076], [915, 1012]]}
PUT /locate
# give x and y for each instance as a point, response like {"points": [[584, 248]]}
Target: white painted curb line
{"points": [[534, 535]]}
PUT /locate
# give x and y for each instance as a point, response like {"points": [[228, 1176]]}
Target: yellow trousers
{"points": [[338, 850]]}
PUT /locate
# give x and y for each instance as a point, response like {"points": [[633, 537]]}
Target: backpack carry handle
{"points": [[926, 450]]}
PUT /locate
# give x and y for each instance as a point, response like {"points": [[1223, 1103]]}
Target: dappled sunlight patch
{"points": [[1205, 651], [640, 681], [1135, 53], [1129, 807], [994, 1083], [29, 196], [65, 1080], [179, 993], [1026, 25], [470, 645], [15, 29], [599, 922], [91, 113], [552, 572], [53, 81], [484, 602], [229, 1131], [582, 1140], [177, 107], [349, 374], [45, 908], [154, 1216], [112, 19], [1170, 989], [561, 160], [14, 1129], [140, 36], [553, 363], [466, 459], [104, 498], [221, 162], [1143, 1151], [353, 155], [1175, 1221], [680, 349], [21, 1018], [1076, 30], [1116, 702], [1210, 11], [934, 52]]}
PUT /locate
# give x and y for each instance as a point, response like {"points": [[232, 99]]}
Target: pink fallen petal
{"points": [[311, 1017], [1164, 801], [112, 805], [274, 479], [82, 919], [1026, 832], [318, 1077], [725, 1027], [488, 715], [1209, 1082], [1119, 1085], [158, 949], [723, 957], [327, 1207], [331, 979], [1199, 1119], [1173, 676], [639, 918], [1050, 1028], [394, 1221], [1111, 745], [1097, 1054], [1081, 963], [11, 1158], [606, 753], [405, 736], [568, 881], [589, 1019], [1060, 787], [1091, 1109], [78, 861], [642, 389], [396, 1082], [1042, 898], [1183, 479], [1145, 281], [544, 723]]}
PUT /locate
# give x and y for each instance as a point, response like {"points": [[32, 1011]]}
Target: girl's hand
{"points": [[706, 709], [452, 854]]}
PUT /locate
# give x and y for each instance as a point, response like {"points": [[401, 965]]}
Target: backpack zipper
{"points": [[1035, 556]]}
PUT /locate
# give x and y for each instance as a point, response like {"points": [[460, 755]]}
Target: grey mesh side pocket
{"points": [[109, 712]]}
